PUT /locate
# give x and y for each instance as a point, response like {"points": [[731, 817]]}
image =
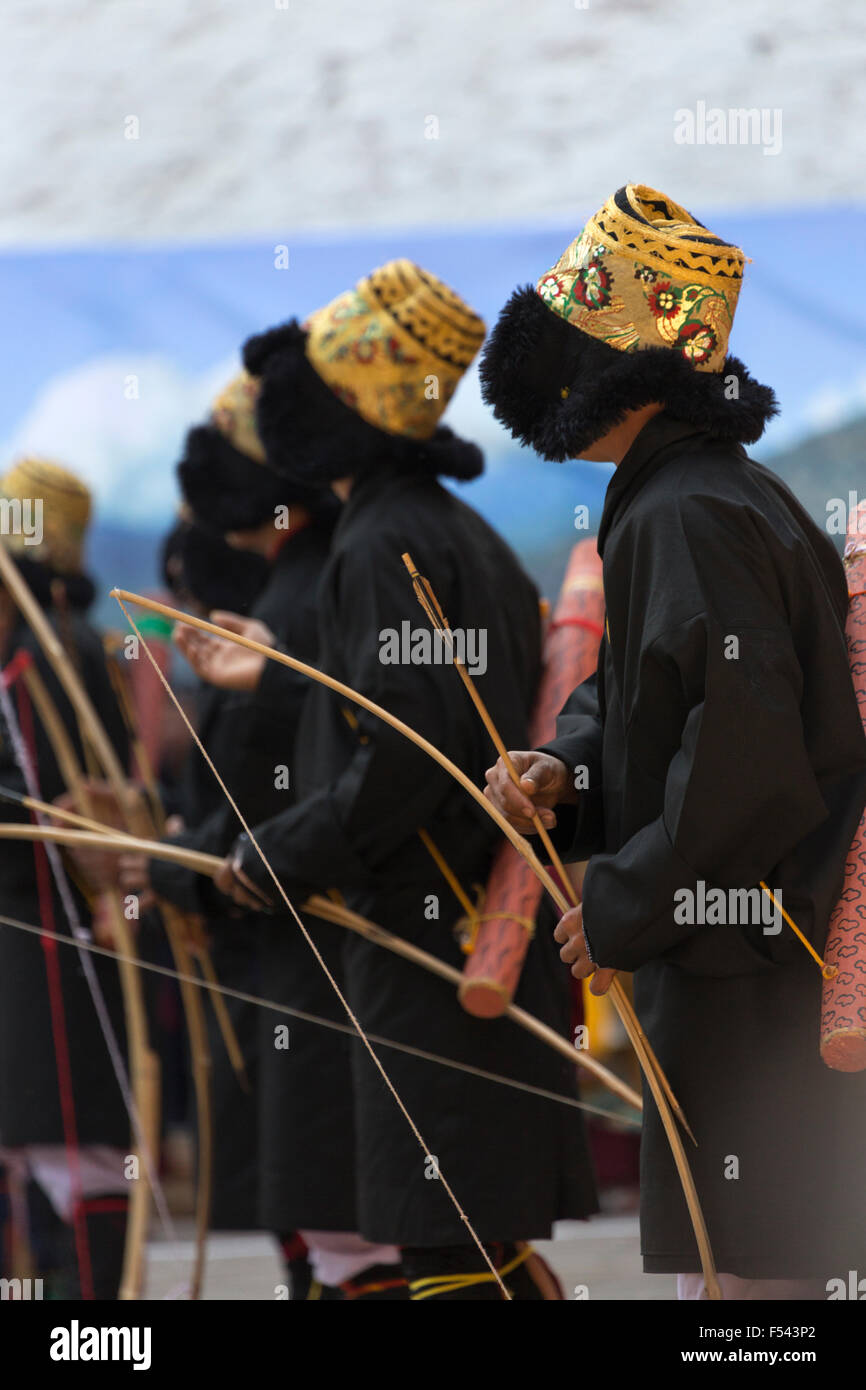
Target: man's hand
{"points": [[545, 782], [569, 933], [231, 880], [223, 663], [99, 867], [101, 803]]}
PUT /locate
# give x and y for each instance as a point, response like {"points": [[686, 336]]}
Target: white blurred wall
{"points": [[257, 116]]}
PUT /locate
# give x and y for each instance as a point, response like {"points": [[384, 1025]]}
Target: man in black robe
{"points": [[64, 1129], [354, 398], [203, 573], [718, 746], [283, 1159]]}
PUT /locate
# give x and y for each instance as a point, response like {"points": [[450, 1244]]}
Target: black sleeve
{"points": [[338, 836], [281, 692], [739, 795], [183, 887], [250, 744], [579, 830]]}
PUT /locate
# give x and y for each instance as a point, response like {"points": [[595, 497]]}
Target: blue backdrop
{"points": [[111, 354]]}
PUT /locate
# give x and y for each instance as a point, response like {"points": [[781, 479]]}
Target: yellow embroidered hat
{"points": [[394, 348], [234, 415], [44, 514], [644, 273], [636, 311]]}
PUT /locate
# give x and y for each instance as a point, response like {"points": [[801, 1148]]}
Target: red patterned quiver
{"points": [[843, 1014], [492, 970]]}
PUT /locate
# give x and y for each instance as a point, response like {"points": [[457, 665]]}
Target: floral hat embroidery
{"points": [[394, 348], [643, 273], [234, 415]]}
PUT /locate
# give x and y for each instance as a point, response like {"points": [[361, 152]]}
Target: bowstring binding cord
{"points": [[312, 945]]}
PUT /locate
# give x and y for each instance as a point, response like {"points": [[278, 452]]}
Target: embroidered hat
{"points": [[652, 295], [45, 514], [362, 384], [234, 415], [395, 347]]}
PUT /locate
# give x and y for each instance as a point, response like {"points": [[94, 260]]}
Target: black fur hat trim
{"points": [[224, 488], [559, 390], [312, 437], [78, 590], [200, 564]]}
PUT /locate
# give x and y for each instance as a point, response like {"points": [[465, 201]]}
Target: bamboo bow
{"points": [[244, 997], [144, 1062], [433, 609], [517, 840], [188, 931], [94, 834]]}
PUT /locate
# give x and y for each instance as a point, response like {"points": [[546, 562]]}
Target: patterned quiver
{"points": [[843, 1012], [506, 918]]}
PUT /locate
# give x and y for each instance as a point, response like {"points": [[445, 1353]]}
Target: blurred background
{"points": [[179, 174]]}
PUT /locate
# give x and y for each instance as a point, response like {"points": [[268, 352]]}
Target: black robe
{"points": [[517, 1162], [30, 1097], [722, 743], [283, 1159]]}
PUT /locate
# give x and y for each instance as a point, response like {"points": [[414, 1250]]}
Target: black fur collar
{"points": [[559, 390]]}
